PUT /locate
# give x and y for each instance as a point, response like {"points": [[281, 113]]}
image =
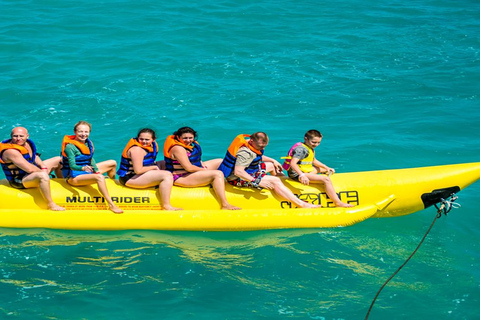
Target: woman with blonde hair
{"points": [[79, 167]]}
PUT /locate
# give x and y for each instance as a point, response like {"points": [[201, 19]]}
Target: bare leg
{"points": [[108, 166], [59, 173], [275, 184], [42, 181], [213, 164], [165, 189], [206, 177], [54, 164], [88, 179], [329, 188], [161, 178]]}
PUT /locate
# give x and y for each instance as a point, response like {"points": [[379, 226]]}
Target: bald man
{"points": [[24, 169]]}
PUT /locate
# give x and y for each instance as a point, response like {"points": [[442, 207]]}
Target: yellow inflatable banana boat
{"points": [[386, 193]]}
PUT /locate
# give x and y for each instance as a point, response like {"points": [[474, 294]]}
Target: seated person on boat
{"points": [[79, 167], [138, 168], [302, 166], [244, 166], [183, 157], [23, 167]]}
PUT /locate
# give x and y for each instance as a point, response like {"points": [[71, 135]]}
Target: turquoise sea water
{"points": [[390, 84]]}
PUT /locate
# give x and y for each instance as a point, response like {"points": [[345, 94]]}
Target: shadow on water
{"points": [[309, 272]]}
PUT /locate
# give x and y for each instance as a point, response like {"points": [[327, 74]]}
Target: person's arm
{"points": [[298, 155], [294, 166], [276, 164], [17, 159], [137, 155], [71, 151], [240, 172], [180, 154], [39, 163], [244, 159], [321, 166], [93, 164], [302, 177]]}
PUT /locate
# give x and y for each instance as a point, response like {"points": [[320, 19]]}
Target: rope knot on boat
{"points": [[447, 205]]}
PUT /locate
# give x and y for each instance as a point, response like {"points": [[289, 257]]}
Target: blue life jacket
{"points": [[126, 165], [83, 159], [228, 164], [194, 152], [11, 171]]}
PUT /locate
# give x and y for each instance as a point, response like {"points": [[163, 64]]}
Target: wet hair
{"points": [[259, 137], [147, 130], [310, 134], [79, 123], [183, 130]]}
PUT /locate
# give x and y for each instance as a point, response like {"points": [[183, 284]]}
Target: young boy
{"points": [[302, 166]]}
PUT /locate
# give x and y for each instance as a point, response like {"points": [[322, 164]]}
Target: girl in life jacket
{"points": [[139, 170], [302, 166], [183, 157], [79, 167]]}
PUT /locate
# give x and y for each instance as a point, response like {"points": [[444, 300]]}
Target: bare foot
{"points": [[171, 208], [55, 207], [344, 205], [311, 206], [230, 207], [115, 209]]}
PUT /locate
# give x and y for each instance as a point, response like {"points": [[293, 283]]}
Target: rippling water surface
{"points": [[390, 84]]}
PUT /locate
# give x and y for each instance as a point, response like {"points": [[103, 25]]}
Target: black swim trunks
{"points": [[17, 183], [293, 175], [123, 180]]}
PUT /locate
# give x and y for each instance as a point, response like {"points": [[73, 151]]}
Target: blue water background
{"points": [[390, 84]]}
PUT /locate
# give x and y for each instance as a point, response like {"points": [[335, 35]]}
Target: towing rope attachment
{"points": [[445, 207]]}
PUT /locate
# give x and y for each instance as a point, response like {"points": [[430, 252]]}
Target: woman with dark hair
{"points": [[183, 158], [138, 168]]}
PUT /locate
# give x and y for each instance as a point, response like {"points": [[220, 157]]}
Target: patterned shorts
{"points": [[244, 183]]}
